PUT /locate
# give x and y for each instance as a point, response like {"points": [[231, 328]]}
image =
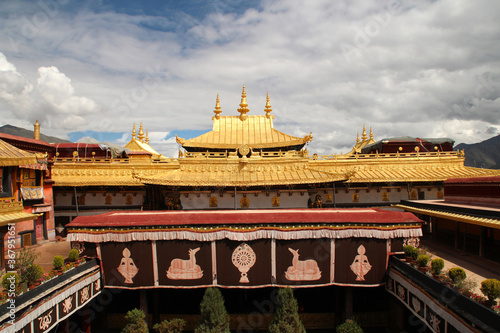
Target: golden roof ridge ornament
{"points": [[141, 134], [371, 133], [134, 133], [268, 108], [243, 105], [147, 137], [36, 132], [364, 137], [357, 138], [217, 110]]}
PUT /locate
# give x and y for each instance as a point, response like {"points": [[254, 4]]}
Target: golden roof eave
{"points": [[13, 156]]}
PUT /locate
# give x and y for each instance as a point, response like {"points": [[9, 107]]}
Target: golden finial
{"points": [[141, 134], [243, 105], [147, 137], [134, 134], [217, 110], [357, 138], [364, 137], [268, 107], [371, 133], [36, 132]]}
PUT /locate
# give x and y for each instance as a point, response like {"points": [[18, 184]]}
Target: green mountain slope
{"points": [[13, 130], [485, 154]]}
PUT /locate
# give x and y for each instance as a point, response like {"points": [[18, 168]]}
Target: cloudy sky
{"points": [[410, 67]]}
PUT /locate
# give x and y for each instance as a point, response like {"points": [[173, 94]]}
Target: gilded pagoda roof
{"points": [[140, 144], [241, 172], [13, 156], [232, 132]]}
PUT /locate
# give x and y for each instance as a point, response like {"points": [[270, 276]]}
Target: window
{"points": [[5, 183], [31, 178]]}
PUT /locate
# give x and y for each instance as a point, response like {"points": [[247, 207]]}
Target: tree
{"points": [[25, 258], [350, 326], [214, 317], [286, 318], [136, 322], [170, 326]]}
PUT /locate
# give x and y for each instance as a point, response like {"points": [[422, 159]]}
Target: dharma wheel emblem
{"points": [[244, 150], [244, 258], [127, 267]]}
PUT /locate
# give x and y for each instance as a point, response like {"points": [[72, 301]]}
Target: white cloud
{"points": [[419, 68]]}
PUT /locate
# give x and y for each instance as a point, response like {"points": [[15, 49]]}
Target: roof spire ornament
{"points": [[243, 105], [364, 137], [147, 137], [36, 132], [217, 110], [357, 138], [371, 133], [134, 134], [141, 134], [268, 108]]}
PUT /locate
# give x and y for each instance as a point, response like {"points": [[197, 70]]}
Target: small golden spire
{"points": [[147, 137], [243, 105], [364, 137], [134, 134], [141, 134], [36, 132], [371, 133], [268, 108], [217, 110], [357, 138]]}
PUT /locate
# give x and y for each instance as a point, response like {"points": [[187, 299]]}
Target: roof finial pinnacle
{"points": [[243, 105], [357, 138], [268, 108], [364, 137], [134, 133], [371, 133], [141, 134], [147, 137], [217, 110], [36, 132]]}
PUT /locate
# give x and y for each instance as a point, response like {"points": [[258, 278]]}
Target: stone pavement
{"points": [[50, 249], [476, 268]]}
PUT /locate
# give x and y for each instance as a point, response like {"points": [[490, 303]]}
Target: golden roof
{"points": [[13, 212], [481, 221], [360, 144], [13, 156], [232, 132], [141, 144]]}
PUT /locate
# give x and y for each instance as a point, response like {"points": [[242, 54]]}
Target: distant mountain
{"points": [[484, 154], [13, 130]]}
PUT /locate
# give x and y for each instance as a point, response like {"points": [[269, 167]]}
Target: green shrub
{"points": [[423, 260], [170, 326], [437, 266], [34, 273], [58, 262], [349, 326], [411, 251], [491, 288], [136, 322], [24, 259], [286, 317], [457, 274], [73, 255], [6, 281], [214, 317]]}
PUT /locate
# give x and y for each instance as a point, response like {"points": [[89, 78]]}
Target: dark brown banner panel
{"points": [[184, 263], [128, 265], [303, 262], [360, 261], [244, 264]]}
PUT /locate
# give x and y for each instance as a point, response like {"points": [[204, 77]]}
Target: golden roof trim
{"points": [[481, 221], [13, 156]]}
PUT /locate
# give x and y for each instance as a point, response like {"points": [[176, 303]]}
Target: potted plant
{"points": [[491, 289], [74, 256], [437, 266], [58, 263], [422, 262], [33, 274], [170, 326], [411, 253], [457, 275], [10, 281]]}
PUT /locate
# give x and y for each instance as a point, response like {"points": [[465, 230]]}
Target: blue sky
{"points": [[94, 68]]}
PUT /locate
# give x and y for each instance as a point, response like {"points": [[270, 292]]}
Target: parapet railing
{"points": [[266, 154]]}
